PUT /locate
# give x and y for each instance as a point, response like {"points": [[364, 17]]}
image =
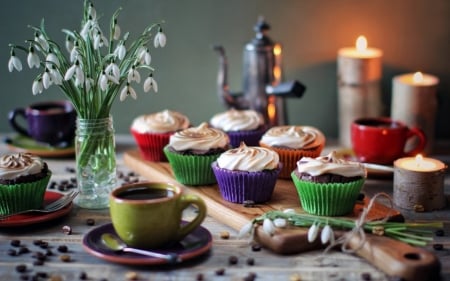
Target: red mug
{"points": [[382, 140]]}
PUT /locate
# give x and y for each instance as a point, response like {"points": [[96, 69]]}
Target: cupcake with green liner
{"points": [[247, 173], [192, 151], [23, 182], [292, 143], [240, 125], [327, 185], [152, 132]]}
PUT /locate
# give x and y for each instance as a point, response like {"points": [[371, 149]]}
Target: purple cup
{"points": [[51, 122]]}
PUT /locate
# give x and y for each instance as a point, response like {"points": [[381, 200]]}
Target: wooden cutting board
{"points": [[237, 215]]}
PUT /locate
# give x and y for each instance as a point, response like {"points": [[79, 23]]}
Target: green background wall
{"points": [[413, 34]]}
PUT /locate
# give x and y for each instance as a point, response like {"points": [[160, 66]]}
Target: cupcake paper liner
{"points": [[289, 157], [250, 138], [151, 145], [192, 169], [19, 197], [241, 186], [328, 199]]}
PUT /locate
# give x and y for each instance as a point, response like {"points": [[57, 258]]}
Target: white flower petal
{"points": [[280, 222], [124, 93], [289, 211], [56, 77], [246, 229], [268, 227], [120, 51], [79, 74], [70, 72], [33, 59], [51, 57], [46, 79], [113, 79], [313, 231], [69, 44], [132, 92], [160, 39], [103, 82], [73, 55], [116, 32], [327, 235], [14, 63], [37, 87]]}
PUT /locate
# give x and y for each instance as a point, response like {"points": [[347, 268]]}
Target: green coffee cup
{"points": [[149, 214]]}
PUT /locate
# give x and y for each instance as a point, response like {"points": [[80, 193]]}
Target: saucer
{"points": [[26, 144], [193, 245], [33, 218]]}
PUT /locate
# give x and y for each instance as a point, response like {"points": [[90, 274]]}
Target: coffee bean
{"points": [[233, 260], [360, 197], [83, 276], [43, 245], [21, 268], [65, 258], [220, 271], [438, 247], [250, 277], [38, 262], [37, 242], [199, 277], [38, 255], [256, 247], [67, 230], [62, 249], [440, 232], [23, 250], [15, 243], [49, 253], [251, 261], [366, 276], [224, 234], [41, 274], [90, 222], [24, 277], [11, 252], [70, 170]]}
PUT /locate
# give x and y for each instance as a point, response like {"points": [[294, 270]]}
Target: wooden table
{"points": [[267, 265]]}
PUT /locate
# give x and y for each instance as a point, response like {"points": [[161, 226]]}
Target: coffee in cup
{"points": [[51, 122], [382, 140], [148, 215]]}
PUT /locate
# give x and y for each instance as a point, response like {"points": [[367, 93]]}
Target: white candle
{"points": [[359, 74], [420, 164], [414, 102]]}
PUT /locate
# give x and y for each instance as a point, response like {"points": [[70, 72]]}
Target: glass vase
{"points": [[95, 162]]}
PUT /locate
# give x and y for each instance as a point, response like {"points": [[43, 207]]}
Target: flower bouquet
{"points": [[92, 72]]}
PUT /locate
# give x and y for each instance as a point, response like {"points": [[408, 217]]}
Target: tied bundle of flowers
{"points": [[92, 72]]}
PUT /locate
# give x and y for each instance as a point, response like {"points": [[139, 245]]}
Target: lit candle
{"points": [[414, 102], [359, 72], [419, 183]]}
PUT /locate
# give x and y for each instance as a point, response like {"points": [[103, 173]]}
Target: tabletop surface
{"points": [[231, 258]]}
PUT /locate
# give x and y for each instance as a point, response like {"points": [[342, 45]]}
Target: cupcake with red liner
{"points": [[191, 152], [240, 125], [152, 132], [247, 173], [292, 143], [23, 182], [328, 185]]}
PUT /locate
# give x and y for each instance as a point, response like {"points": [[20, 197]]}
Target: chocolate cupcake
{"points": [[247, 173], [327, 185], [152, 132], [292, 143], [191, 152], [23, 181], [240, 125]]}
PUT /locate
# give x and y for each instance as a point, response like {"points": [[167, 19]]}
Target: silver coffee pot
{"points": [[263, 89]]}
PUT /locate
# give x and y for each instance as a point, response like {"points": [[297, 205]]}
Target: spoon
{"points": [[114, 243]]}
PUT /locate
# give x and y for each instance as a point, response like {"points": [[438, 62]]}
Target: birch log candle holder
{"points": [[359, 91], [414, 102], [419, 184]]}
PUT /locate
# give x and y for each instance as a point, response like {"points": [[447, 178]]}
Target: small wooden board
{"points": [[236, 215]]}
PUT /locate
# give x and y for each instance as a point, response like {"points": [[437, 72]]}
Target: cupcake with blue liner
{"points": [[191, 152], [23, 181], [328, 185], [240, 125], [247, 174]]}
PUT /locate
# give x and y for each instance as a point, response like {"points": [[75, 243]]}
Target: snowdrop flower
{"points": [[14, 63], [127, 91], [280, 222], [37, 87], [133, 75], [150, 83], [246, 229], [51, 58], [103, 81], [313, 231], [55, 76], [117, 30], [42, 42], [289, 211], [120, 51], [268, 227], [100, 40], [113, 70], [85, 31], [145, 57], [47, 79], [88, 83], [160, 39], [33, 58], [69, 44], [92, 12], [74, 54], [327, 235], [76, 70]]}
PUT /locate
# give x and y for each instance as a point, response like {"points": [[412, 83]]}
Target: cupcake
{"points": [[191, 152], [292, 143], [327, 185], [23, 181], [152, 132], [247, 173], [240, 125]]}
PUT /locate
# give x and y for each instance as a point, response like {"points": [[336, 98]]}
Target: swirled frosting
{"points": [[237, 120], [248, 158], [296, 137], [330, 164], [201, 138], [19, 164], [160, 122]]}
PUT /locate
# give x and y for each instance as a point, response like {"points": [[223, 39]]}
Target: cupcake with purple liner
{"points": [[240, 125], [247, 173], [292, 143], [152, 132], [23, 182], [327, 185], [191, 152]]}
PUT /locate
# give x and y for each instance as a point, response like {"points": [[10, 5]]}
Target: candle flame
{"points": [[418, 77], [419, 160], [277, 50], [361, 44]]}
